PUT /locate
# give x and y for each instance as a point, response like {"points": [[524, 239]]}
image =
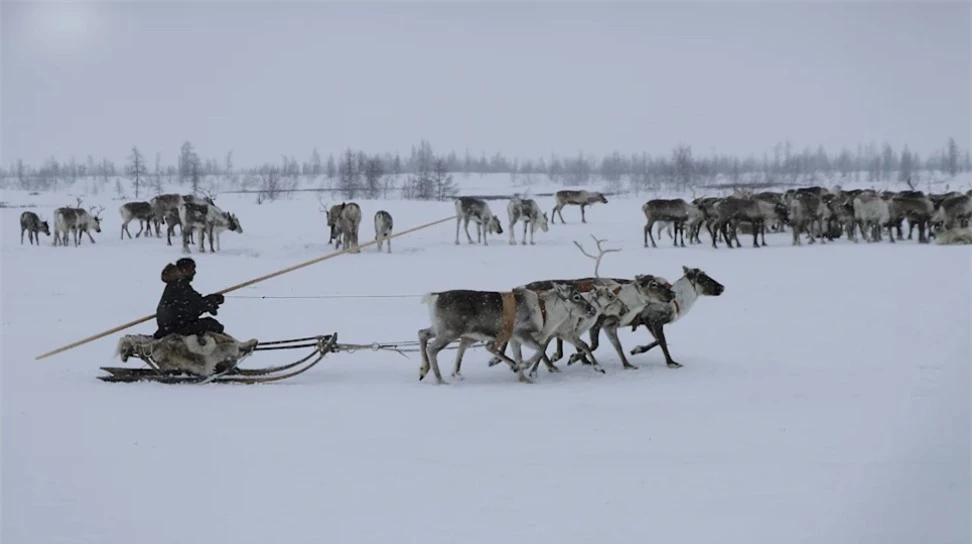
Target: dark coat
{"points": [[181, 306]]}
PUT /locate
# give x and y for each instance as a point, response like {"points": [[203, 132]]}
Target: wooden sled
{"points": [[210, 358]]}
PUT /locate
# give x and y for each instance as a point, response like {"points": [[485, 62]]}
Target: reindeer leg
{"points": [[463, 344], [466, 227], [582, 346], [559, 354], [438, 343], [612, 334], [583, 217], [642, 349], [648, 227], [659, 333], [515, 364], [525, 234], [496, 359]]}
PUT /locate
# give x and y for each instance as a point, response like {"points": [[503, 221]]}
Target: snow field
{"points": [[824, 396]]}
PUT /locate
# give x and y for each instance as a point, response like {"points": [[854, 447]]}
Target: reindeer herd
{"points": [[814, 212], [192, 214]]}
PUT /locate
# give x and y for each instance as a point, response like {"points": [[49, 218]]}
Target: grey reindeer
{"points": [[575, 198], [344, 220], [496, 317], [602, 295], [383, 228], [33, 226], [526, 210], [475, 209], [143, 213], [675, 210], [77, 221]]}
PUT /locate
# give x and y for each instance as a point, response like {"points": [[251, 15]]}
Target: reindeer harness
{"points": [[509, 317]]}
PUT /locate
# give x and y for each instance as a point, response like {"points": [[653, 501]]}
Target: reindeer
{"points": [[383, 228], [166, 206], [632, 296], [528, 211], [77, 221], [162, 205], [675, 210], [693, 284], [954, 211], [344, 220], [605, 296], [496, 317], [914, 206], [575, 198], [207, 219], [805, 210], [729, 211], [475, 209], [32, 224], [871, 214], [144, 213]]}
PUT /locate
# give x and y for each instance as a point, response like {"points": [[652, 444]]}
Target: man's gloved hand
{"points": [[214, 301]]}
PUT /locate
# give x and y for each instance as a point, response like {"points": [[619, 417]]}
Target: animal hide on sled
{"points": [[185, 353]]}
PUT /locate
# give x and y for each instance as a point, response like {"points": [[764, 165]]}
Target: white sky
{"points": [[266, 79]]}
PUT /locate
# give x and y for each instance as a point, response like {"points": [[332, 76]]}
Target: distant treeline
{"points": [[429, 173]]}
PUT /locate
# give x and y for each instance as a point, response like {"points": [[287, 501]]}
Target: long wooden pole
{"points": [[240, 286]]}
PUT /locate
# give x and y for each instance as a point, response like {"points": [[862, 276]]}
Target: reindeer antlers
{"points": [[600, 253], [96, 213]]}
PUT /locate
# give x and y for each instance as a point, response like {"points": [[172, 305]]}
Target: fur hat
{"points": [[182, 269]]}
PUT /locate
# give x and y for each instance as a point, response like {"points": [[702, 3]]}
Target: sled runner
{"points": [[210, 358]]}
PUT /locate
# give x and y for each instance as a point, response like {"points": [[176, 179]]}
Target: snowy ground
{"points": [[824, 397]]}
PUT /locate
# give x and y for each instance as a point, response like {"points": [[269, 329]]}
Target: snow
{"points": [[824, 397]]}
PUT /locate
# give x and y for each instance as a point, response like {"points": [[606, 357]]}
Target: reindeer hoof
{"points": [[630, 366], [673, 364], [458, 376], [523, 379], [552, 369], [495, 361]]}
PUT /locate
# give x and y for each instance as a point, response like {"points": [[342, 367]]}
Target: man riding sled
{"points": [[181, 306], [179, 312]]}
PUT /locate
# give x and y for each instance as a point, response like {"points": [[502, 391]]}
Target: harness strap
{"points": [[509, 317]]}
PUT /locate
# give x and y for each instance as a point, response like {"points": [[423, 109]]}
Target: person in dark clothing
{"points": [[181, 306]]}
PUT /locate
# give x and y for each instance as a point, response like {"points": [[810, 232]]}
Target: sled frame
{"points": [[322, 345]]}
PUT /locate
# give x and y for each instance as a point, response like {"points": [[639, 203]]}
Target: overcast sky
{"points": [[266, 79]]}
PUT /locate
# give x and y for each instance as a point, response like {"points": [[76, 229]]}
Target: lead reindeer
{"points": [[496, 317], [77, 221], [526, 210], [344, 219], [575, 198], [383, 228], [141, 211], [33, 226], [688, 289], [474, 209]]}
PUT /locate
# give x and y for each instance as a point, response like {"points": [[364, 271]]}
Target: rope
{"points": [[320, 296]]}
